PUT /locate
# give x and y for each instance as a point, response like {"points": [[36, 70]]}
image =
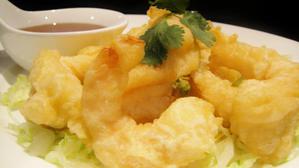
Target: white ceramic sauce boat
{"points": [[24, 46]]}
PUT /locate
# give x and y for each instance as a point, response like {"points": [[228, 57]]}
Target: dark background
{"points": [[277, 17]]}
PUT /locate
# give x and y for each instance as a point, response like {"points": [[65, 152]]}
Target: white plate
{"points": [[12, 155]]}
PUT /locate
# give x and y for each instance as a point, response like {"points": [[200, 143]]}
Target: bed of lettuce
{"points": [[66, 150]]}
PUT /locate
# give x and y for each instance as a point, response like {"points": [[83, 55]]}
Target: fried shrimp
{"points": [[263, 108], [154, 84], [57, 91], [80, 63], [184, 133]]}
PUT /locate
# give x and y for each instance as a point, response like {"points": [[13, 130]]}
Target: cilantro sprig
{"points": [[199, 27], [163, 37], [159, 39], [176, 6]]}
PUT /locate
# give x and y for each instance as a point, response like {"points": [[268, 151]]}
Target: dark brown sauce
{"points": [[62, 27]]}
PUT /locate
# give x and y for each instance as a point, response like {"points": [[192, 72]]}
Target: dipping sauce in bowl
{"points": [[24, 34], [62, 27]]}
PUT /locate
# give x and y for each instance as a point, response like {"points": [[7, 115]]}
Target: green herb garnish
{"points": [[158, 40], [182, 85], [175, 6], [163, 37], [199, 27]]}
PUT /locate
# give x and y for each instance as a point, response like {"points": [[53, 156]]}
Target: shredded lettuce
{"points": [[70, 152], [225, 152], [223, 155], [295, 152], [17, 94], [229, 153], [36, 139], [61, 148], [245, 162], [242, 158]]}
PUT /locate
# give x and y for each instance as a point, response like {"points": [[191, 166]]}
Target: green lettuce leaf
{"points": [[70, 152], [242, 158], [225, 152], [295, 152], [36, 140], [17, 94], [246, 162], [229, 153], [61, 148]]}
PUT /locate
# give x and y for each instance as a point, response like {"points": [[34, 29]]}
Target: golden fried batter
{"points": [[153, 85], [57, 89], [184, 133], [56, 92], [263, 109]]}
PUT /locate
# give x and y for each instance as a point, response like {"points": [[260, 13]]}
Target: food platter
{"points": [[12, 155]]}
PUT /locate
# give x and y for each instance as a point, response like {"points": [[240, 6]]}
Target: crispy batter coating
{"points": [[57, 89], [56, 92], [263, 109], [154, 84], [80, 63], [184, 133]]}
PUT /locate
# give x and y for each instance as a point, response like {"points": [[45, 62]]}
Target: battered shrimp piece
{"points": [[56, 92], [263, 109], [184, 133], [80, 63], [180, 61], [148, 102], [149, 89]]}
